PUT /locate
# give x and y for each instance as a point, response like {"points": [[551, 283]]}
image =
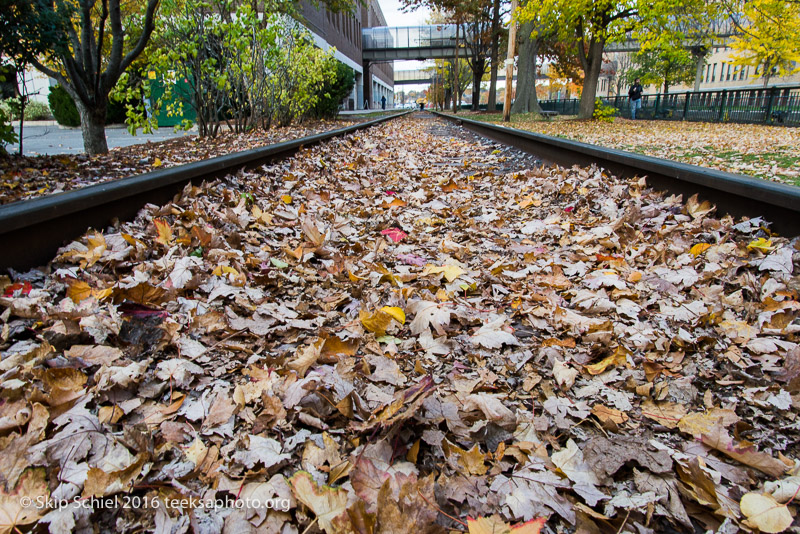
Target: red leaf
{"points": [[24, 287], [395, 234]]}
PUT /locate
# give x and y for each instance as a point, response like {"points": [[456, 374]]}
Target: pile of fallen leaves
{"points": [[766, 152], [406, 330], [27, 177]]}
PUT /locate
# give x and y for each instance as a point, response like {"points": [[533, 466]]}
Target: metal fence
{"points": [[772, 105]]}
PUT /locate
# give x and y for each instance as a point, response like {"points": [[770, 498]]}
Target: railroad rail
{"points": [[32, 231], [734, 194]]}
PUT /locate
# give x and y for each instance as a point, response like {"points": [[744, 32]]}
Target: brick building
{"points": [[343, 31]]}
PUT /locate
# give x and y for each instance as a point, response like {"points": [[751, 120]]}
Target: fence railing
{"points": [[771, 105]]}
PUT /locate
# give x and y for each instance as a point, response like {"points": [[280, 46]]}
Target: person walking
{"points": [[383, 102], [635, 94]]}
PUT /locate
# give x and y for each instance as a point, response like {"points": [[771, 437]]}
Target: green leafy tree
{"points": [[672, 31], [99, 41], [768, 36], [590, 24], [663, 67], [243, 71]]}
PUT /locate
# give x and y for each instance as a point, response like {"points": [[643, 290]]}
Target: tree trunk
{"points": [[700, 56], [93, 128], [527, 100], [478, 67], [456, 92], [593, 63], [491, 105]]}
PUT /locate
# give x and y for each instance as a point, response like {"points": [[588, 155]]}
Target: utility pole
{"points": [[512, 39]]}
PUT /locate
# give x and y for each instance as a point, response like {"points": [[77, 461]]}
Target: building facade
{"points": [[343, 31]]}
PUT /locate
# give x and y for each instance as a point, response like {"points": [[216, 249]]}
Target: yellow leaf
{"points": [[354, 278], [764, 513], [157, 162], [102, 294], [286, 199], [221, 270], [79, 291], [397, 313], [196, 452], [699, 248], [163, 232], [328, 504], [764, 245], [377, 322], [132, 240], [620, 357], [450, 272]]}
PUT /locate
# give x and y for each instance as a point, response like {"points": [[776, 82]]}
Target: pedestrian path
{"points": [[46, 137]]}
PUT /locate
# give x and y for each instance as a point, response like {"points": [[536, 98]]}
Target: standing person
{"points": [[383, 102], [635, 94]]}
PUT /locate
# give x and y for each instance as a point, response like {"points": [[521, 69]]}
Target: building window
{"points": [[714, 73], [741, 73], [708, 72]]}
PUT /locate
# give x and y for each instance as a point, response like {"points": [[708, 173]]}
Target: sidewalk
{"points": [[369, 111], [46, 137]]}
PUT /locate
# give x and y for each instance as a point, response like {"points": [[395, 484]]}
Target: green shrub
{"points": [[602, 112], [7, 134], [8, 108], [36, 111], [334, 90], [63, 107]]}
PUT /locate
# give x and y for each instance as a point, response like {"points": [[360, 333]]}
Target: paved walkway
{"points": [[49, 138]]}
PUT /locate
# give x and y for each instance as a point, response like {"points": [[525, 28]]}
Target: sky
{"points": [[393, 12]]}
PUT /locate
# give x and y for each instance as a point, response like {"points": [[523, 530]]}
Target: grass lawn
{"points": [[767, 152]]}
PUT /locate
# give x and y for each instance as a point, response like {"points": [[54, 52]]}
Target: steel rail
{"points": [[733, 194], [32, 231]]}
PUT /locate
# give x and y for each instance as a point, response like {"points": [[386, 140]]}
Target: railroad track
{"points": [[732, 193], [32, 231]]}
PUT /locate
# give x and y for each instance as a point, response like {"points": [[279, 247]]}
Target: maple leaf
{"points": [[163, 232], [427, 314], [328, 504], [261, 450], [448, 271], [395, 234], [492, 336], [21, 505]]}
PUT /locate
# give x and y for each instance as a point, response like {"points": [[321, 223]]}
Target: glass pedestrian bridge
{"points": [[383, 43]]}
